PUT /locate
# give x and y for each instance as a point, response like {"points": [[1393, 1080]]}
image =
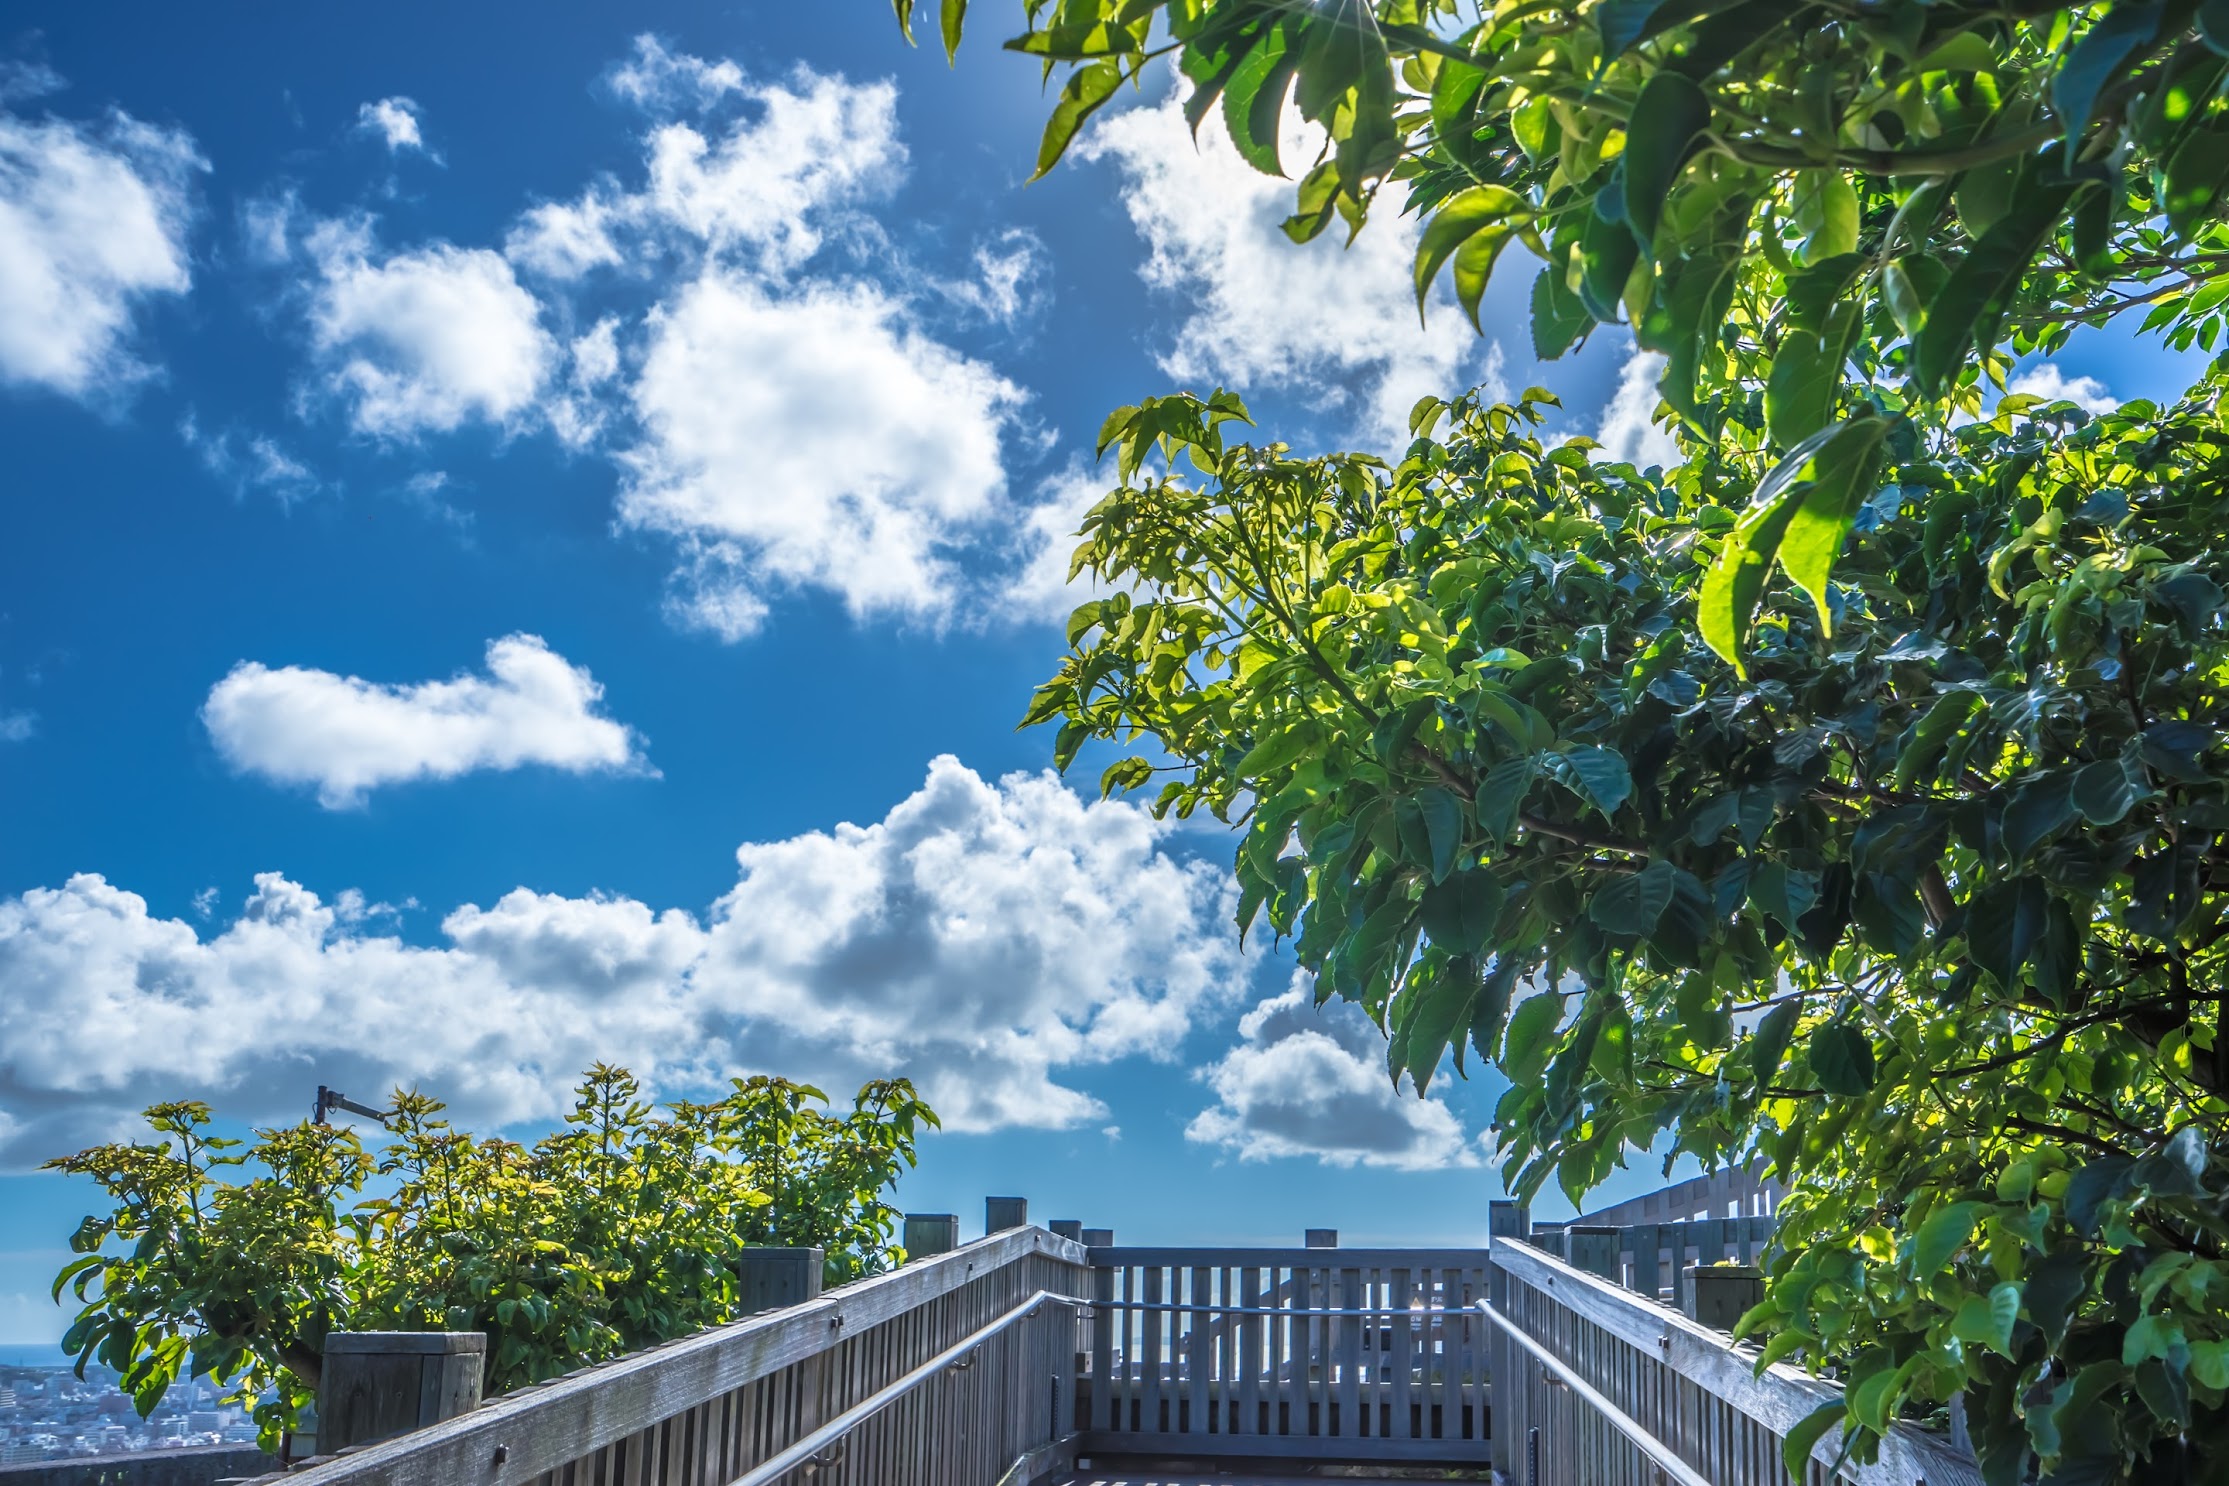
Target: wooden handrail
{"points": [[1665, 1461], [516, 1438], [1777, 1397], [843, 1424]]}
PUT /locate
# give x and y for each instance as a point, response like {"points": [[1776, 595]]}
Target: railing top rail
{"points": [[1778, 1398], [1295, 1258], [517, 1437]]}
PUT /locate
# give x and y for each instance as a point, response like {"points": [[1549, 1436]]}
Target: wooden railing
{"points": [[997, 1363], [1589, 1376], [953, 1371], [1317, 1353], [1732, 1192], [1652, 1258]]}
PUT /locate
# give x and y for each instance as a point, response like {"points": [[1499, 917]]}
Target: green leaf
{"points": [[2209, 1364], [1280, 750], [1478, 220], [1845, 466], [1825, 206], [1987, 1320], [2196, 173], [1598, 773], [2055, 1287], [2110, 46], [2107, 790], [1442, 812], [1932, 734], [952, 17], [1558, 318], [1634, 903], [1126, 774], [1459, 914], [1526, 1044], [1800, 393], [1796, 1446], [1254, 100], [1431, 1007], [2036, 812], [1871, 1398], [1087, 89], [1662, 135], [73, 1269], [1770, 1042], [1501, 796], [2004, 923], [1841, 1059], [1946, 1231], [1736, 580], [2097, 1182], [1980, 287], [1623, 23]]}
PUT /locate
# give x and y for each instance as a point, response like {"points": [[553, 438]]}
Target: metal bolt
{"points": [[502, 1453]]}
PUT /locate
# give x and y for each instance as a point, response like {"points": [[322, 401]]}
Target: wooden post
{"points": [[1647, 1241], [378, 1384], [931, 1233], [1098, 1238], [1507, 1218], [1319, 1238], [771, 1278], [1071, 1229], [1002, 1213], [1594, 1249], [1724, 1293]]}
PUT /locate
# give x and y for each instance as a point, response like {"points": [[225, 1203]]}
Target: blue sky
{"points": [[529, 529]]}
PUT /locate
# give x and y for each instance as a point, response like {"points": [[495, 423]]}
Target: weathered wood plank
{"points": [[543, 1429], [1776, 1400]]}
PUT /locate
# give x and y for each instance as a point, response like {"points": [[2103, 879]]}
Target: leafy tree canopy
{"points": [[1757, 186], [622, 1229], [1928, 908], [1827, 216]]}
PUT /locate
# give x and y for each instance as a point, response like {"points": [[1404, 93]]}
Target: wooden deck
{"points": [[1030, 1359]]}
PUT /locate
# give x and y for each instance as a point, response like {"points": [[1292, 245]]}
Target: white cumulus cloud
{"points": [[2045, 379], [93, 222], [1312, 1083], [426, 340], [1629, 430], [765, 185], [394, 122], [988, 939], [810, 437], [659, 80], [345, 735], [1331, 321]]}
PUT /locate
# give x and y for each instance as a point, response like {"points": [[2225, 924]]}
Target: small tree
{"points": [[622, 1229]]}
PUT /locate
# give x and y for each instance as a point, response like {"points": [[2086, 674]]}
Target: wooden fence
{"points": [[1588, 1375], [954, 1371], [1315, 1353]]}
